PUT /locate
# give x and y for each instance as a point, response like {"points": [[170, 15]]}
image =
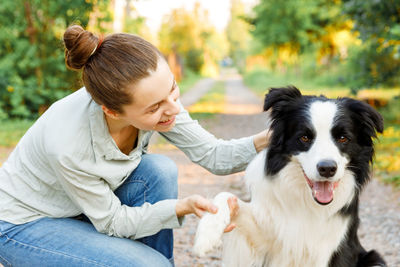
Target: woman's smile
{"points": [[167, 122]]}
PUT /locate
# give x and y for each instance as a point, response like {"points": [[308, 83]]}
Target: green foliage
{"points": [[294, 22], [304, 26], [374, 18], [190, 35], [377, 61], [369, 65], [32, 70], [387, 154], [194, 59], [391, 112]]}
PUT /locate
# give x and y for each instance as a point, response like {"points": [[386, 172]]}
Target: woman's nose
{"points": [[173, 107]]}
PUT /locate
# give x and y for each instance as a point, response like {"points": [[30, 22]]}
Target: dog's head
{"points": [[328, 138]]}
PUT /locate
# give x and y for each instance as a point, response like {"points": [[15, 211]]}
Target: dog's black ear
{"points": [[278, 98], [367, 117]]}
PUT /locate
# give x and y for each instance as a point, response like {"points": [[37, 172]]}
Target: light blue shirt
{"points": [[67, 163]]}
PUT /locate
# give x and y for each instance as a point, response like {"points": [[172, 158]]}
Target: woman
{"points": [[79, 189]]}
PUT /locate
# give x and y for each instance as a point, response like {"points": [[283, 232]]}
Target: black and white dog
{"points": [[304, 188]]}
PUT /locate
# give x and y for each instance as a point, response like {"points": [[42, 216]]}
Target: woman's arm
{"points": [[216, 155], [93, 196]]}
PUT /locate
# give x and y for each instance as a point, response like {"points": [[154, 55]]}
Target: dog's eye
{"points": [[343, 139], [305, 139]]}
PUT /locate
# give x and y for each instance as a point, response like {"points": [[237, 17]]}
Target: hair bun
{"points": [[79, 46]]}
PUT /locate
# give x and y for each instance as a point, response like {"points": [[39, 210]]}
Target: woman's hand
{"points": [[261, 140], [234, 208], [197, 205], [194, 204]]}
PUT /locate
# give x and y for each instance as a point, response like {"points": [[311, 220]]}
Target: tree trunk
{"points": [[32, 34]]}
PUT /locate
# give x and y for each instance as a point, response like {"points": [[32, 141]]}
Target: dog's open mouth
{"points": [[322, 191]]}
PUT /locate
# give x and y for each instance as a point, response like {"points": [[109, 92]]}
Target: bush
{"points": [[194, 59], [32, 69], [370, 65], [391, 112]]}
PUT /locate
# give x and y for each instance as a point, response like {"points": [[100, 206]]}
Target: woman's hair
{"points": [[109, 65]]}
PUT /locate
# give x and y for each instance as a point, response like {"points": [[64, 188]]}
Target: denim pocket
{"points": [[5, 227]]}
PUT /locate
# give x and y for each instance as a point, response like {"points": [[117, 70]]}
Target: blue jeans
{"points": [[73, 242]]}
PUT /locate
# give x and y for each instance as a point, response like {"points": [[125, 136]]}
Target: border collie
{"points": [[304, 188]]}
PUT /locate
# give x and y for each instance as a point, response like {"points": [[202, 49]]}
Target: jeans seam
{"points": [[54, 252], [6, 261]]}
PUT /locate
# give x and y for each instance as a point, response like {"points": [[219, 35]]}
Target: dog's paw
{"points": [[211, 226], [206, 242]]}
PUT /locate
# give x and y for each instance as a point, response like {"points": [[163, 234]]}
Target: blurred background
{"points": [[331, 47]]}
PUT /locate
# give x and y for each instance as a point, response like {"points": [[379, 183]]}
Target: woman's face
{"points": [[154, 105]]}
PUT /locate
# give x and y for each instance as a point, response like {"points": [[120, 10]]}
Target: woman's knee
{"points": [[163, 176]]}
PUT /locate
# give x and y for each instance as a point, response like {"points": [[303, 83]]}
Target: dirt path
{"points": [[379, 208]]}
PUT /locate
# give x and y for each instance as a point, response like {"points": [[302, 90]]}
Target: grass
{"points": [[260, 80], [209, 104], [12, 130], [188, 81]]}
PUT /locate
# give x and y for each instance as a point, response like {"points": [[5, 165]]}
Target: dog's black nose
{"points": [[327, 168]]}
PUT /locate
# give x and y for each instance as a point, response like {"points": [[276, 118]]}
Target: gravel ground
{"points": [[379, 206]]}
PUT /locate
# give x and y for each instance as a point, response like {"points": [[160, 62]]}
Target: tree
{"points": [[32, 70], [190, 35], [296, 26], [238, 35], [377, 61], [294, 22]]}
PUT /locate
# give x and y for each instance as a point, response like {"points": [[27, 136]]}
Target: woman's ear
{"points": [[110, 113]]}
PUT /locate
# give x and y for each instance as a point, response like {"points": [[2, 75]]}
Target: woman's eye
{"points": [[343, 139], [305, 139], [154, 109]]}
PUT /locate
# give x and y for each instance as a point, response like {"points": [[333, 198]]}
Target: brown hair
{"points": [[109, 65]]}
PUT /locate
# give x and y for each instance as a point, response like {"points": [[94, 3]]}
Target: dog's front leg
{"points": [[211, 226]]}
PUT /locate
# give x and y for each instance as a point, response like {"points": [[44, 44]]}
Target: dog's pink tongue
{"points": [[323, 191]]}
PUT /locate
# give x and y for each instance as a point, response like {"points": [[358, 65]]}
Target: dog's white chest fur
{"points": [[282, 226]]}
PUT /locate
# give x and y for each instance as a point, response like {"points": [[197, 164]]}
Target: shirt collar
{"points": [[103, 144]]}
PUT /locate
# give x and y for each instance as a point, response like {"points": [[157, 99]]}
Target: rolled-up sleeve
{"points": [[216, 155], [94, 197]]}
